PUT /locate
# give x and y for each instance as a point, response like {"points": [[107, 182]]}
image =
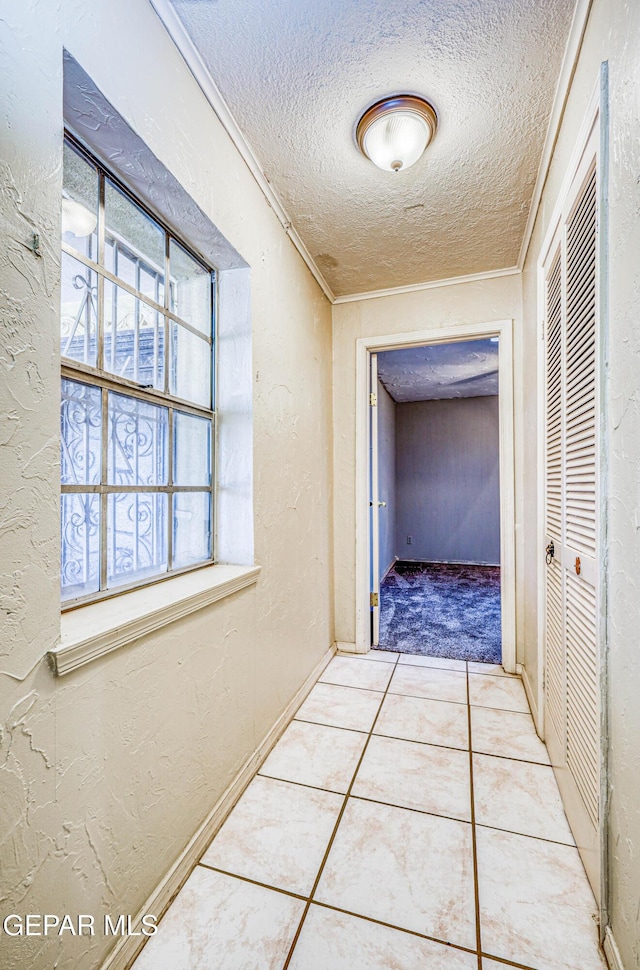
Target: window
{"points": [[137, 412]]}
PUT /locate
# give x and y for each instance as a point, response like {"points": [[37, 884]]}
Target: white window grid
{"points": [[108, 382]]}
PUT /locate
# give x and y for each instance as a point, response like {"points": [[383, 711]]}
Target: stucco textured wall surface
{"points": [[107, 773], [613, 34], [446, 306]]}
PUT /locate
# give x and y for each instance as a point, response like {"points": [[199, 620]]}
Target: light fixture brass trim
{"points": [[398, 102]]}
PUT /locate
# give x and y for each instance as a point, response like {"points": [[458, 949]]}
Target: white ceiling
{"points": [[297, 74], [462, 369]]}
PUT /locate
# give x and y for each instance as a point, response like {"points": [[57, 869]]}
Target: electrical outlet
{"points": [[409, 540]]}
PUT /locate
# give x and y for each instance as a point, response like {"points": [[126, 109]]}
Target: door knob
{"points": [[382, 505], [550, 552]]}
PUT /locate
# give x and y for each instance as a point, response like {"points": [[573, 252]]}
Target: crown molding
{"points": [[430, 285], [567, 72], [193, 59]]}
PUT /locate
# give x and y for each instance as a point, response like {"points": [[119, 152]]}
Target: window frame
{"points": [[108, 382]]}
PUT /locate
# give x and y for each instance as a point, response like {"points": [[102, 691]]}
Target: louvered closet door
{"points": [[571, 669], [555, 681]]}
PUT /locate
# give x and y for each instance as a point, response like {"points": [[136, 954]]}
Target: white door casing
{"points": [[365, 348], [374, 501]]}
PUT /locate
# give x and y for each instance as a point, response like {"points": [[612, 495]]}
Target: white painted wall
{"points": [[443, 306], [448, 480], [613, 34], [386, 477], [106, 773]]}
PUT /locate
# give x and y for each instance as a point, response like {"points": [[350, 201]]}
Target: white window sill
{"points": [[92, 631]]}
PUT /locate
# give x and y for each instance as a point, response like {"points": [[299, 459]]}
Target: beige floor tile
{"points": [[389, 656], [353, 672], [277, 834], [438, 684], [314, 754], [421, 719], [412, 870], [336, 941], [508, 734], [218, 922], [520, 797], [418, 776], [503, 693], [345, 707], [497, 670], [536, 905], [488, 964], [446, 663]]}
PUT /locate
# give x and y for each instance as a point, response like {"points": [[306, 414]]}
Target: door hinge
{"points": [[373, 400], [373, 599]]}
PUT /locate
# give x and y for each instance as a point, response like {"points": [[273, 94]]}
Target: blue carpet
{"points": [[442, 611]]}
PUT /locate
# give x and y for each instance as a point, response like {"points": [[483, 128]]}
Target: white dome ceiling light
{"points": [[394, 132], [77, 219]]}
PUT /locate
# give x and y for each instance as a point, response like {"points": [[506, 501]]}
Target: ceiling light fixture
{"points": [[77, 219], [394, 132]]}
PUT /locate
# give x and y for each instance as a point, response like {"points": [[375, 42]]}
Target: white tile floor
{"points": [[408, 819]]}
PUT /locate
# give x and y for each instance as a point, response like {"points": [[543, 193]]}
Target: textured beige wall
{"points": [[106, 773], [445, 306], [613, 34]]}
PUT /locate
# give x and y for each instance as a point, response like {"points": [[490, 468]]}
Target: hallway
{"points": [[407, 818]]}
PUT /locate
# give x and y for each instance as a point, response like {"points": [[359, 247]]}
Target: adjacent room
{"points": [[438, 517]]}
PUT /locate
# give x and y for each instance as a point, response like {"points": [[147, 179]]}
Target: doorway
{"points": [[414, 559]]}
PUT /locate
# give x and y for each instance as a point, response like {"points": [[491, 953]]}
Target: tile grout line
{"points": [[378, 801], [330, 683], [368, 919], [474, 846], [339, 909], [525, 835], [477, 707], [399, 929], [431, 744], [503, 961], [506, 757], [407, 808], [338, 727], [254, 882], [425, 697], [316, 883], [395, 737]]}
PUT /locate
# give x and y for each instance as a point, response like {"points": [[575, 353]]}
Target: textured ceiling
{"points": [[463, 369], [297, 74]]}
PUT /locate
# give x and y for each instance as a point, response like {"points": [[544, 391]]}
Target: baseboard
{"points": [[444, 562], [611, 951], [529, 691], [127, 949], [389, 568], [344, 647]]}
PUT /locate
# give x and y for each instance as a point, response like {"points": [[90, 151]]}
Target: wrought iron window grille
{"points": [[138, 392]]}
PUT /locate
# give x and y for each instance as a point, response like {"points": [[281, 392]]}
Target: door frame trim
{"points": [[503, 329]]}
